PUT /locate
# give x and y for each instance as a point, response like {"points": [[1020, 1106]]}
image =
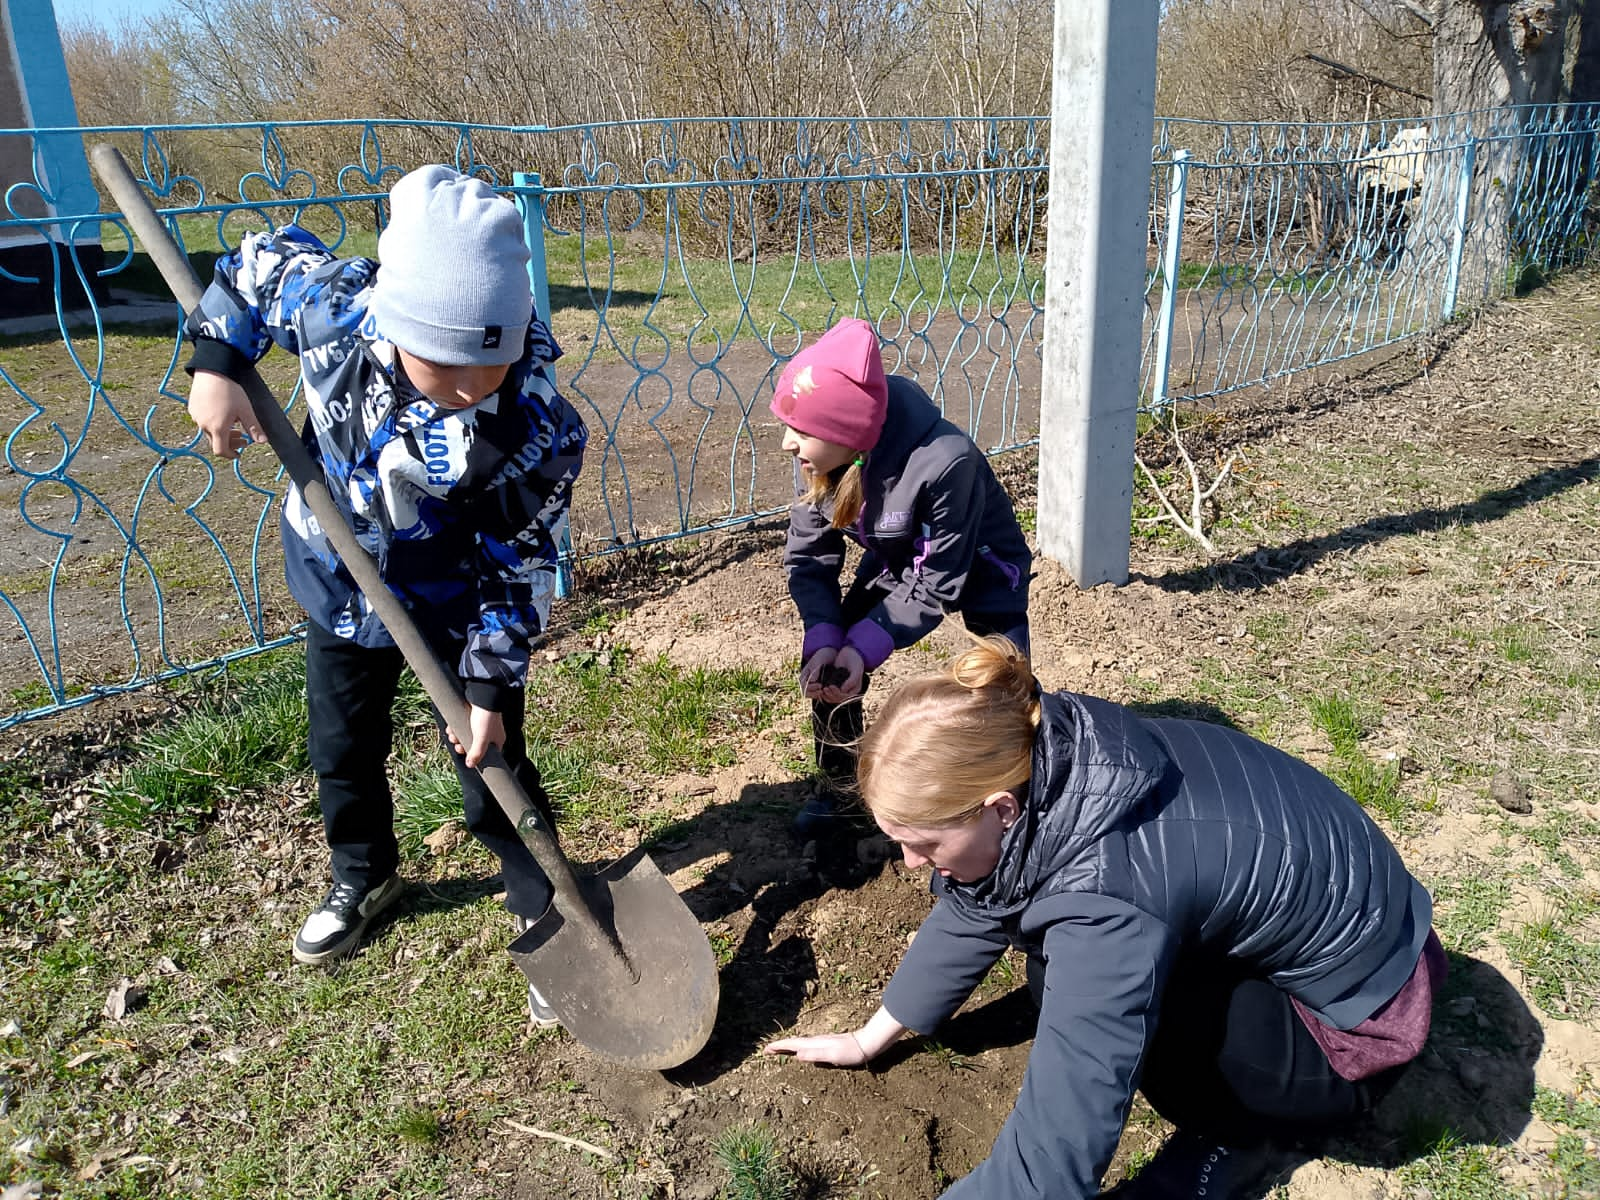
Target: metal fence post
{"points": [[1171, 261], [530, 199], [1458, 238]]}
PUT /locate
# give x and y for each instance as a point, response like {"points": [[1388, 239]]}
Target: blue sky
{"points": [[107, 12]]}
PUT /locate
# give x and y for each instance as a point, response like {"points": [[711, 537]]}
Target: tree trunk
{"points": [[1488, 54]]}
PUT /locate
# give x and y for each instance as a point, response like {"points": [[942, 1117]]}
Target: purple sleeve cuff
{"points": [[871, 641], [821, 637]]}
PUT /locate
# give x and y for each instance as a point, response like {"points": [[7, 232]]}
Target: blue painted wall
{"points": [[47, 97]]}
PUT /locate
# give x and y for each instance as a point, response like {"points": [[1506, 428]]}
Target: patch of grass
{"points": [[1453, 1170], [1468, 907], [419, 1126], [750, 1154], [1270, 627], [427, 796], [1557, 833], [33, 895], [1576, 1169], [1558, 1108], [1560, 970], [210, 1076], [1517, 643], [687, 292], [683, 711], [1376, 788], [249, 736], [600, 621], [1336, 717], [30, 695], [1004, 975]]}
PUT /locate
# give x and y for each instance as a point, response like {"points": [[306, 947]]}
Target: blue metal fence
{"points": [[1296, 246], [682, 263]]}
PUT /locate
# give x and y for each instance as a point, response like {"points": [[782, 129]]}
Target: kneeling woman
{"points": [[1206, 919]]}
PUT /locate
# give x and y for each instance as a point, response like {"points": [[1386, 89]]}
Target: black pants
{"points": [[836, 728], [1233, 1062], [350, 692]]}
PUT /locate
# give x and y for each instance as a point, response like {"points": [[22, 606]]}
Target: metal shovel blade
{"points": [[658, 1014]]}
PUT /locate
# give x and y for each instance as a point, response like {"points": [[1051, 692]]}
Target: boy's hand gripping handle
{"points": [[442, 687]]}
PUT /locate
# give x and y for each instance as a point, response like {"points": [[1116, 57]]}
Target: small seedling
{"points": [[756, 1170], [949, 1059], [419, 1126]]}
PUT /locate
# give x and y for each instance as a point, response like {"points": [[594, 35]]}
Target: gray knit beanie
{"points": [[452, 286]]}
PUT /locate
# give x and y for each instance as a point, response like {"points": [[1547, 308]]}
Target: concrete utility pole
{"points": [[1101, 127]]}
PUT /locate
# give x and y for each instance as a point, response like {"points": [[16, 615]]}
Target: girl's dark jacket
{"points": [[1138, 838], [939, 531]]}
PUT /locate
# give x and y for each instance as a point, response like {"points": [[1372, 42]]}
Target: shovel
{"points": [[619, 956]]}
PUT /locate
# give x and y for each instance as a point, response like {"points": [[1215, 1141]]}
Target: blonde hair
{"points": [[849, 492], [945, 742]]}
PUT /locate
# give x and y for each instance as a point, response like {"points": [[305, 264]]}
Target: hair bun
{"points": [[995, 662]]}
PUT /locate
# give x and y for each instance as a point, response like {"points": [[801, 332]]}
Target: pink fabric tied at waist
{"points": [[1392, 1035]]}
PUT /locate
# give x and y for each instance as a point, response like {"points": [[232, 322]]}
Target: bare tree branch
{"points": [[1422, 12], [1367, 75], [1200, 495]]}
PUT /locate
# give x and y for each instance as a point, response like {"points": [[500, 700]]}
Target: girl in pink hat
{"points": [[879, 464]]}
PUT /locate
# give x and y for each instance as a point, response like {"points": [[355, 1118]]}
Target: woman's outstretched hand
{"points": [[829, 1049], [855, 1049]]}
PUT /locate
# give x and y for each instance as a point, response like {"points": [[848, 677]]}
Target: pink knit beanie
{"points": [[835, 389]]}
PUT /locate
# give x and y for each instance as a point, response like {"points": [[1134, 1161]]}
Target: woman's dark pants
{"points": [[1233, 1062]]}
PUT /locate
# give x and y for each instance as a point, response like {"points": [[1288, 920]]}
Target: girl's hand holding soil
{"points": [[832, 676], [844, 682], [816, 672]]}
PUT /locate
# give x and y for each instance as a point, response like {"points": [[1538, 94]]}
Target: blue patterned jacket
{"points": [[462, 508]]}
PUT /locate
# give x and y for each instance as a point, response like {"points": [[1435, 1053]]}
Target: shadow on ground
{"points": [[1472, 1085], [1265, 566], [767, 970]]}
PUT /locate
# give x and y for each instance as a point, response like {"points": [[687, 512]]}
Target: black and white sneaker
{"points": [[336, 925], [540, 1014]]}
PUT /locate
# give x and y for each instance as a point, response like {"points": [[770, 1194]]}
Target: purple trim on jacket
{"points": [[1009, 570], [870, 640], [825, 636], [921, 555]]}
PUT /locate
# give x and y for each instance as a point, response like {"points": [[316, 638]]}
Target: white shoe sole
{"points": [[385, 898]]}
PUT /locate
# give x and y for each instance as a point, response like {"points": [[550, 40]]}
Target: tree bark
{"points": [[1489, 54]]}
